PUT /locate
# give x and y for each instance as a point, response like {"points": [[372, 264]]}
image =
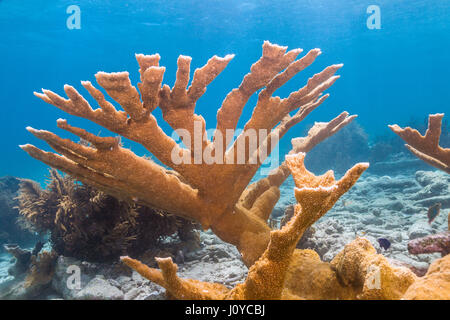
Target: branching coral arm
{"points": [[117, 171], [427, 147], [274, 59], [318, 133], [141, 127], [178, 104], [182, 289]]}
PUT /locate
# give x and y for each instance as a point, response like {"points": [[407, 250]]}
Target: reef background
{"points": [[390, 75]]}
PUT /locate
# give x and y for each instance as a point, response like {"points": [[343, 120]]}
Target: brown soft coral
{"points": [[88, 224], [41, 270]]}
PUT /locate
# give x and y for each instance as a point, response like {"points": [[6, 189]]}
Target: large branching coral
{"points": [[91, 225], [215, 193]]}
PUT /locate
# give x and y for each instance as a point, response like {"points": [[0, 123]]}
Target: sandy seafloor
{"points": [[392, 207]]}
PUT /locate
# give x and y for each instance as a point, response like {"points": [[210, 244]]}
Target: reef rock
{"points": [[99, 289], [419, 229]]}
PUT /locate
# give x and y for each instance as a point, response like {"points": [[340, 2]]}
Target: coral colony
{"points": [[217, 194]]}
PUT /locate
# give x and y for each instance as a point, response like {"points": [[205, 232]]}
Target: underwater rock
{"points": [[67, 267], [432, 190], [399, 165], [419, 229], [425, 178], [22, 259], [435, 285], [433, 243], [32, 273], [444, 200], [378, 222], [99, 289]]}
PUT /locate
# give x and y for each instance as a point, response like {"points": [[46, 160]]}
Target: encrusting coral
{"points": [[217, 193], [87, 224], [427, 147]]}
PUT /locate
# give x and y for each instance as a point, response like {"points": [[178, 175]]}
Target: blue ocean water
{"points": [[390, 74]]}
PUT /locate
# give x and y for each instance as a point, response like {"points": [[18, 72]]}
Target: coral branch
{"points": [[317, 194], [183, 289], [273, 61], [104, 168], [318, 133], [202, 191], [427, 147]]}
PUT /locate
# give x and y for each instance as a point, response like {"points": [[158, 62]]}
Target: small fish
{"points": [[360, 233], [384, 243], [433, 212]]}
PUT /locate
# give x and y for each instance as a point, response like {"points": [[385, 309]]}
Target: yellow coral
{"points": [[359, 266]]}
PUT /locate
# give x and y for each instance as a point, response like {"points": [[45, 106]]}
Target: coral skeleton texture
{"points": [[218, 195]]}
